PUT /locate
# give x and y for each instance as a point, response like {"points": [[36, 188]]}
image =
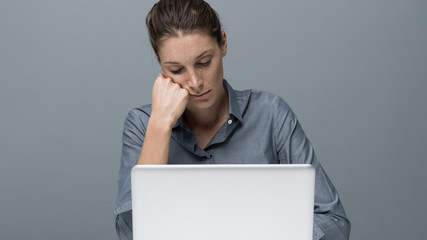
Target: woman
{"points": [[196, 117]]}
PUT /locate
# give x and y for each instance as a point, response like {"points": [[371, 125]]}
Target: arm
{"points": [[124, 225], [330, 220], [137, 132], [168, 103], [146, 139], [134, 130]]}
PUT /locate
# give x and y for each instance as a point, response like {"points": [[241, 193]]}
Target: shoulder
{"points": [[265, 102], [144, 110], [269, 98], [139, 116], [253, 103]]}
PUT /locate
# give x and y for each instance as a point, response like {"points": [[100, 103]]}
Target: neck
{"points": [[209, 117]]}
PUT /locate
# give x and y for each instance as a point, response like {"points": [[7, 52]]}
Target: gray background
{"points": [[355, 72]]}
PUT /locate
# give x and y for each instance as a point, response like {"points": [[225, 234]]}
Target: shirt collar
{"points": [[233, 105]]}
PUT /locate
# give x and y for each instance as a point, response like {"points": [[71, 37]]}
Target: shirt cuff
{"points": [[317, 232]]}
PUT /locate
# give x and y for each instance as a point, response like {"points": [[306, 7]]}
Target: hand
{"points": [[169, 100]]}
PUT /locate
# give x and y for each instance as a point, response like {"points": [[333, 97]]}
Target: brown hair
{"points": [[168, 17]]}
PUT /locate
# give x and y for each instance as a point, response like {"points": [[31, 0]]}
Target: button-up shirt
{"points": [[261, 129]]}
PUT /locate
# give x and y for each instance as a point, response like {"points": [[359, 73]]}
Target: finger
{"points": [[185, 91], [162, 77], [169, 80]]}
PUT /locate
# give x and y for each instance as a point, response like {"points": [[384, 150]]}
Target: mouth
{"points": [[201, 96]]}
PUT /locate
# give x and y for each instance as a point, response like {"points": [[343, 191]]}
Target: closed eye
{"points": [[199, 65], [204, 64], [177, 71]]}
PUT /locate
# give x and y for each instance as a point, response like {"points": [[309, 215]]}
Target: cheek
{"points": [[219, 72], [215, 71], [181, 80]]}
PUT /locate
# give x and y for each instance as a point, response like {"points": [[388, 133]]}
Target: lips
{"points": [[201, 96]]}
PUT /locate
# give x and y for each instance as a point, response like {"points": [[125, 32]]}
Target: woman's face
{"points": [[194, 61]]}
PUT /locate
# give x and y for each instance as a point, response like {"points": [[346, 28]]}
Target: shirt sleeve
{"points": [[124, 225], [293, 147], [133, 137]]}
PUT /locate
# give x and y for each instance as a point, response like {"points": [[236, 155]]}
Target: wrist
{"points": [[162, 124]]}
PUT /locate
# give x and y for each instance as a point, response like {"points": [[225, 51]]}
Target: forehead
{"points": [[186, 47]]}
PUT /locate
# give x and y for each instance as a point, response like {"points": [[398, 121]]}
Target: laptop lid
{"points": [[222, 202]]}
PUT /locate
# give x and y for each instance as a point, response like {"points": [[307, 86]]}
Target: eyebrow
{"points": [[198, 57]]}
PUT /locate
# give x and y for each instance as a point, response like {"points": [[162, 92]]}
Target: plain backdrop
{"points": [[355, 73]]}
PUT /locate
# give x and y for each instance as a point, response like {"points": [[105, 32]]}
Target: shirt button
{"points": [[208, 156], [230, 122]]}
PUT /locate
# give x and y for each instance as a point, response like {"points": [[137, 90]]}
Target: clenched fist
{"points": [[169, 100]]}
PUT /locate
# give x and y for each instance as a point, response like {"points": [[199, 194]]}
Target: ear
{"points": [[224, 44]]}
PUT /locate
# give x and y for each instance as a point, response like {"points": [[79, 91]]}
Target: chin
{"points": [[200, 105]]}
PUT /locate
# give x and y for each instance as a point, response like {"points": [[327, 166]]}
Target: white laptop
{"points": [[223, 202]]}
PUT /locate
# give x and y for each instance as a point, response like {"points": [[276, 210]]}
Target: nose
{"points": [[195, 82]]}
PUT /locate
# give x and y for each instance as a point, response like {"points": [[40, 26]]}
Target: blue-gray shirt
{"points": [[261, 129]]}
